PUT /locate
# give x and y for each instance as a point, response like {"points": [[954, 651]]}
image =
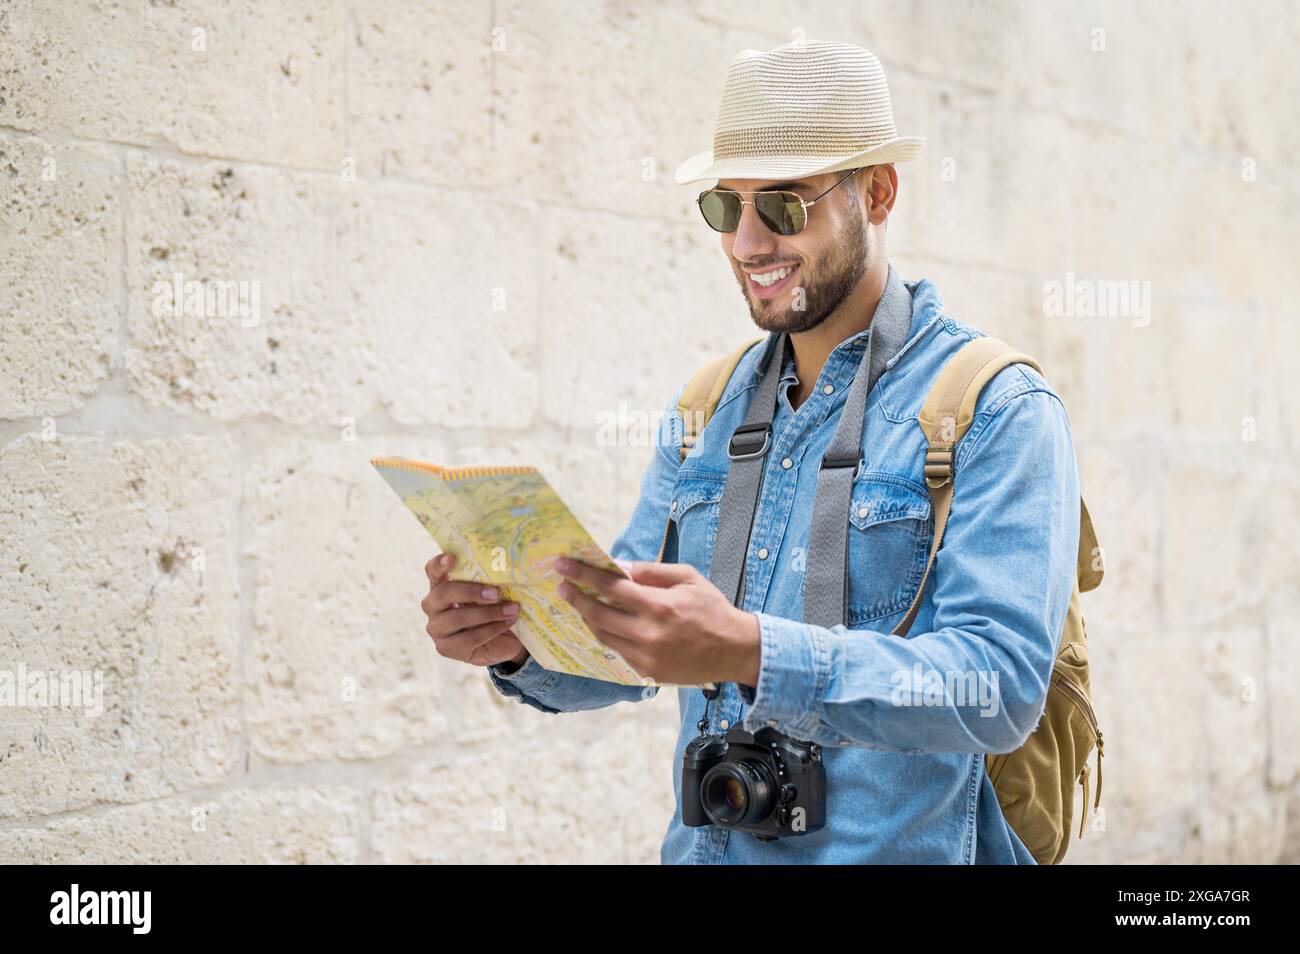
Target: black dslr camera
{"points": [[764, 783]]}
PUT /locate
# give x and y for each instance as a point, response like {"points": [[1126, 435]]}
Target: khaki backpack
{"points": [[1035, 783]]}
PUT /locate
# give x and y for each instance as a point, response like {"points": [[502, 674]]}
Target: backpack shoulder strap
{"points": [[703, 392], [697, 403], [949, 408], [945, 418]]}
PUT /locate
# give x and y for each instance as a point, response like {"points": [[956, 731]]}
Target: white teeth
{"points": [[768, 278]]}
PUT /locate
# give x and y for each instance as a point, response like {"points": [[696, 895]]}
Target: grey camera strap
{"points": [[827, 568]]}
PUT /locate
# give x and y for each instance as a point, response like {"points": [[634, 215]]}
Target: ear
{"points": [[881, 189]]}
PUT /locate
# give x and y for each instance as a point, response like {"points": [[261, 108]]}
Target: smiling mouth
{"points": [[772, 276], [769, 282]]}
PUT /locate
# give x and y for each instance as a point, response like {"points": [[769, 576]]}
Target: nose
{"points": [[752, 239]]}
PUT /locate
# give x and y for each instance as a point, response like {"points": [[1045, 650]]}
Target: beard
{"points": [[824, 286]]}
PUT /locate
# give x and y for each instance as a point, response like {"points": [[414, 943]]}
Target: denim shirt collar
{"points": [[839, 363]]}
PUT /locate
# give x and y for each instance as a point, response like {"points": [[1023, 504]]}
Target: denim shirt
{"points": [[905, 772]]}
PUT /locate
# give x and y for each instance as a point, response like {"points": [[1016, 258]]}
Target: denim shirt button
{"points": [[772, 723], [787, 463], [829, 389], [762, 553], [862, 512], [673, 507], [724, 724]]}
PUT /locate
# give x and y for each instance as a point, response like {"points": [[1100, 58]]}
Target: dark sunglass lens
{"points": [[721, 210], [781, 211]]}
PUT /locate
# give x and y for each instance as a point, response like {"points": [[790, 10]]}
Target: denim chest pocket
{"points": [[694, 509], [888, 542]]}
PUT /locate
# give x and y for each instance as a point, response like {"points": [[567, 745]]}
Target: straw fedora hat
{"points": [[800, 110]]}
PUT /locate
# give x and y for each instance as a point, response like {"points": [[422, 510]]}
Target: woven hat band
{"points": [[760, 141]]}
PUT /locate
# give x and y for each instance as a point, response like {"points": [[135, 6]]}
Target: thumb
{"points": [[657, 574]]}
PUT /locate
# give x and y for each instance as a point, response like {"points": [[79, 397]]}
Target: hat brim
{"points": [[701, 166]]}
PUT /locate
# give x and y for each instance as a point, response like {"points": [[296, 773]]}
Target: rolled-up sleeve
{"points": [[1001, 587]]}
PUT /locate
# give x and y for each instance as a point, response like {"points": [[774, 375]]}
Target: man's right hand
{"points": [[468, 621]]}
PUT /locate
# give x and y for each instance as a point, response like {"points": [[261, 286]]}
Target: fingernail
{"points": [[444, 560], [489, 593], [510, 609], [564, 564], [564, 590]]}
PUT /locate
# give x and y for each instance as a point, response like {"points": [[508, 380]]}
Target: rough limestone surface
{"points": [[247, 246]]}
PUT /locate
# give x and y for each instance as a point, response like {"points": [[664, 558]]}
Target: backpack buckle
{"points": [[854, 462], [938, 465], [741, 446]]}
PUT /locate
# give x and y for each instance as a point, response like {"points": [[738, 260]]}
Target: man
{"points": [[905, 779]]}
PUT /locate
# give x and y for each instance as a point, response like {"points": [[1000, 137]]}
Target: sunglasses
{"points": [[785, 213]]}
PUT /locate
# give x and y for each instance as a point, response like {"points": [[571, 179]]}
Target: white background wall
{"points": [[468, 246]]}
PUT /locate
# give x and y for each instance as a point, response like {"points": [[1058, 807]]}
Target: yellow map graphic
{"points": [[506, 526]]}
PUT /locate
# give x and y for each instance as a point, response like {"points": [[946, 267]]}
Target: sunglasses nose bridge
{"points": [[753, 234]]}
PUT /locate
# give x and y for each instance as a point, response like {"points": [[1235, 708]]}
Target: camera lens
{"points": [[738, 793]]}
